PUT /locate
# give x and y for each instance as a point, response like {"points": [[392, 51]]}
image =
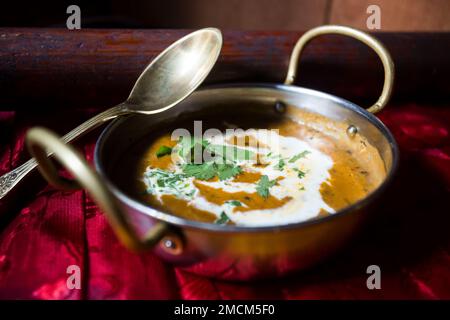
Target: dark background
{"points": [[397, 15]]}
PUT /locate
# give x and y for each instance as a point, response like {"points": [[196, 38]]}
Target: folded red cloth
{"points": [[409, 241]]}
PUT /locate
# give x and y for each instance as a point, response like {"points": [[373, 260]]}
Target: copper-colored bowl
{"points": [[235, 252]]}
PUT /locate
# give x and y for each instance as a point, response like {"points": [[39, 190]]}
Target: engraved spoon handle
{"points": [[10, 179]]}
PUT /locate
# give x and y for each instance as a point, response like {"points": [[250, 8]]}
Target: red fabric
{"points": [[409, 239]]}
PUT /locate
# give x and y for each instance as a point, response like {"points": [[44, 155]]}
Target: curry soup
{"points": [[266, 171]]}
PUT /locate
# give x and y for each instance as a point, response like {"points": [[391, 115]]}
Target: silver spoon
{"points": [[167, 80]]}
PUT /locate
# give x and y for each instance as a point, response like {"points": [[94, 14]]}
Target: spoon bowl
{"points": [[176, 72]]}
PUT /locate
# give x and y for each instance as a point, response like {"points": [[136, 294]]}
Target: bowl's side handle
{"points": [[367, 39], [40, 140]]}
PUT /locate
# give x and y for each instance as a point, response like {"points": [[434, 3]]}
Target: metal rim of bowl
{"points": [[185, 223]]}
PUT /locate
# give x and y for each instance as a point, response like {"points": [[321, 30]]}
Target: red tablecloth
{"points": [[51, 230]]}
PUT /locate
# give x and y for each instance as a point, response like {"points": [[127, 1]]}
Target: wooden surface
{"points": [[55, 68]]}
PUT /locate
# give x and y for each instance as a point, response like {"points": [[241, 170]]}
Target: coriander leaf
{"points": [[161, 183], [163, 150], [188, 146], [235, 203], [263, 186], [280, 165], [223, 219], [191, 193], [158, 180], [230, 153], [226, 171], [204, 171], [299, 156], [300, 173]]}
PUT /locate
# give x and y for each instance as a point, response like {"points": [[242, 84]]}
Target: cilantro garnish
{"points": [[191, 193], [229, 153], [300, 173], [235, 203], [299, 156], [227, 171], [160, 183], [280, 165], [194, 148], [188, 148], [264, 185], [163, 150], [159, 180], [206, 171], [223, 219]]}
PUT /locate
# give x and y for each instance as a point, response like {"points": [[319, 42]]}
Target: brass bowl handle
{"points": [[367, 39], [40, 141]]}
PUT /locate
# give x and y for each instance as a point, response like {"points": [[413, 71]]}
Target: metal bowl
{"points": [[234, 252]]}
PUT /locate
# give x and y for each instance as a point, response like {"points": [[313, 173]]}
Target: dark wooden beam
{"points": [[57, 68]]}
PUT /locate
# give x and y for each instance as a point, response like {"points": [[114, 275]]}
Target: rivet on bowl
{"points": [[172, 244], [352, 131], [280, 107]]}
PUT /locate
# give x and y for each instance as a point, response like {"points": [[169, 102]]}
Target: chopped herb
{"points": [[280, 165], [229, 153], [301, 174], [163, 150], [235, 203], [204, 171], [302, 188], [190, 194], [161, 183], [189, 147], [269, 154], [159, 180], [168, 176], [299, 156], [223, 219], [227, 171], [263, 186], [209, 170], [194, 148]]}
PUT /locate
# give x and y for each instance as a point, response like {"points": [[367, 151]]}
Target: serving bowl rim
{"points": [[207, 226]]}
